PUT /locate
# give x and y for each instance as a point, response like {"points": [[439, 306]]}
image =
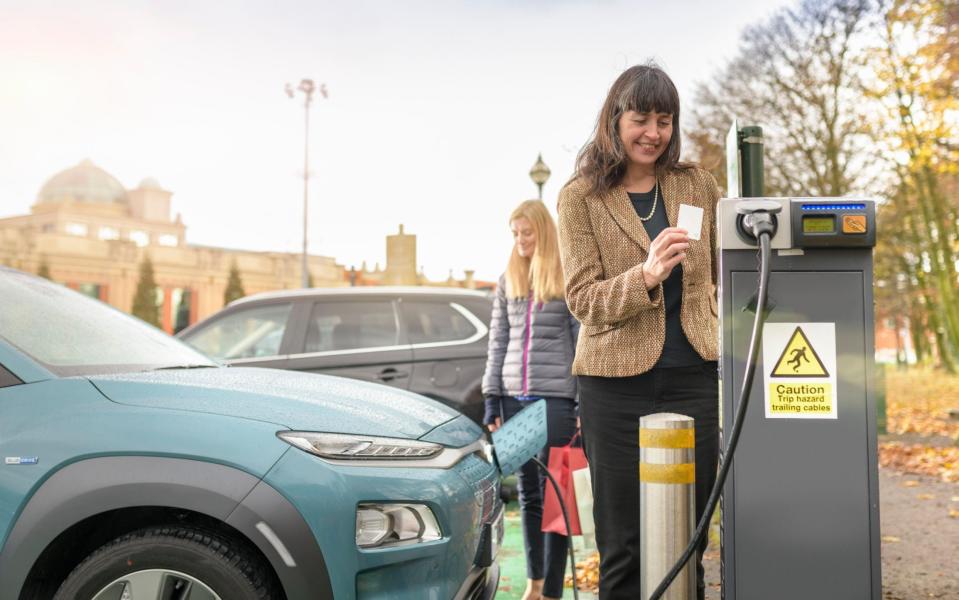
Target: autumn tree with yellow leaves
{"points": [[915, 63]]}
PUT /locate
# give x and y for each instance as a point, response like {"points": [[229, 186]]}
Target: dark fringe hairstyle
{"points": [[642, 88]]}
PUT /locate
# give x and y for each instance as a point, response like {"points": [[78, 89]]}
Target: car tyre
{"points": [[225, 567]]}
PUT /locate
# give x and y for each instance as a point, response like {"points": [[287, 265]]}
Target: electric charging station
{"points": [[800, 512]]}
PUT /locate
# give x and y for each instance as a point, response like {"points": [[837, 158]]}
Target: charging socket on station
{"points": [[754, 217]]}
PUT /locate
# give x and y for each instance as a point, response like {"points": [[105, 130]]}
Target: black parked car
{"points": [[431, 341]]}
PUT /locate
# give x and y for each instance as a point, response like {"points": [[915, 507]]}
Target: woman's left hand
{"points": [[665, 252]]}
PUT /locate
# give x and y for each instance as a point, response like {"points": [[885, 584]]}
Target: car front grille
{"points": [[484, 480]]}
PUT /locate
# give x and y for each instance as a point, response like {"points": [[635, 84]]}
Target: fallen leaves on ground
{"points": [[919, 401], [942, 463], [890, 539], [587, 574]]}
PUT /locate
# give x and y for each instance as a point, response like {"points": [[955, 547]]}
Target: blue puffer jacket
{"points": [[531, 348]]}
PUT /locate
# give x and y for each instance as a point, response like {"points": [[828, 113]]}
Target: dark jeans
{"points": [[545, 552], [610, 408]]}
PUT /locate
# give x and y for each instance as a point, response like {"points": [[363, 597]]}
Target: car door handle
{"points": [[389, 374]]}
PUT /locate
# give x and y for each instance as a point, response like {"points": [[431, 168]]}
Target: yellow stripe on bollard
{"points": [[667, 438], [677, 473]]}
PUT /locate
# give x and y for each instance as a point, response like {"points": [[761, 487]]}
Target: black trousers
{"points": [[545, 552], [610, 408]]}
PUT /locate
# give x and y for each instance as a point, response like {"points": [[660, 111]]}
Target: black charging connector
{"points": [[755, 217], [756, 223]]}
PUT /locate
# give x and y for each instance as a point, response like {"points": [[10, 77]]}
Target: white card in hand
{"points": [[690, 219]]}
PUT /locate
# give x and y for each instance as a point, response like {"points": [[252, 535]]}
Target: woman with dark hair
{"points": [[644, 291]]}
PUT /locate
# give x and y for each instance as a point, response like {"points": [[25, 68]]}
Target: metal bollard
{"points": [[667, 501]]}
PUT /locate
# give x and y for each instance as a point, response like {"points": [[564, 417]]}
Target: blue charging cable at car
{"points": [[519, 440]]}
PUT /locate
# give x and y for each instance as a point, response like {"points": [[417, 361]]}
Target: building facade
{"points": [[89, 232]]}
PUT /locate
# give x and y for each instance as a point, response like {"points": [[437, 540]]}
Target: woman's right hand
{"points": [[665, 252], [496, 424]]}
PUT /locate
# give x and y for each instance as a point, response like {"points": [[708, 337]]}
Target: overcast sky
{"points": [[436, 111]]}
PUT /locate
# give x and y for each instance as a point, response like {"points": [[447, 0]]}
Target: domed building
{"points": [[85, 182], [92, 234]]}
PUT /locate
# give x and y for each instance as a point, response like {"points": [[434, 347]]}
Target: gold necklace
{"points": [[655, 198]]}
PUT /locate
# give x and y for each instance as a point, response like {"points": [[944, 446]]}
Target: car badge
{"points": [[21, 460]]}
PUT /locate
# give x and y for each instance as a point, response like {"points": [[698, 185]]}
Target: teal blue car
{"points": [[134, 468]]}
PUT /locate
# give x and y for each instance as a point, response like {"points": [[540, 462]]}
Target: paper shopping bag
{"points": [[583, 484], [563, 461]]}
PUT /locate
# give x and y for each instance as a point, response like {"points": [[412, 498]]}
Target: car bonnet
{"points": [[299, 401]]}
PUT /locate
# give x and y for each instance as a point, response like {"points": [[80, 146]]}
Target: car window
{"points": [[351, 325], [436, 322], [252, 332], [71, 334]]}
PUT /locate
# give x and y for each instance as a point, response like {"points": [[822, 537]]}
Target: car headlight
{"points": [[379, 525], [347, 446]]}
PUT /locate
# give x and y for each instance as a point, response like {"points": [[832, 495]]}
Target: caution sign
{"points": [[799, 370], [799, 359]]}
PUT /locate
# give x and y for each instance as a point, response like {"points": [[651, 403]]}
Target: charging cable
{"points": [[562, 504], [569, 537], [761, 226]]}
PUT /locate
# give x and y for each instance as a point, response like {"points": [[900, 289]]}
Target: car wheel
{"points": [[165, 563]]}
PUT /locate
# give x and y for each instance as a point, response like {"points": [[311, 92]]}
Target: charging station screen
{"points": [[817, 224]]}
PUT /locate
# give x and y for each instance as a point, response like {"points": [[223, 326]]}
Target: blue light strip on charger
{"points": [[833, 207]]}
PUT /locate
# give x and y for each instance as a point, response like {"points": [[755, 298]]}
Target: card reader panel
{"points": [[832, 223]]}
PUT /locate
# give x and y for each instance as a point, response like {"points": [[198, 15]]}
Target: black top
{"points": [[677, 352]]}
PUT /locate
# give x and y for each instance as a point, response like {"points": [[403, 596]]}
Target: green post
{"points": [[751, 160], [880, 398]]}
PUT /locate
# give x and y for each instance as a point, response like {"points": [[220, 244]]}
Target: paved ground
{"points": [[920, 548], [920, 540]]}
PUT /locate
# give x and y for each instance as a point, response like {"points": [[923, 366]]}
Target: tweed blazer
{"points": [[604, 245]]}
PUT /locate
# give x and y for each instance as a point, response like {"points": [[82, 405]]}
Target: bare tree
{"points": [[860, 96], [796, 75]]}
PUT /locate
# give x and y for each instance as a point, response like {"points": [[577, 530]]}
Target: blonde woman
{"points": [[531, 345]]}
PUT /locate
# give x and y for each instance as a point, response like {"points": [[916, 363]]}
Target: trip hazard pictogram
{"points": [[799, 359]]}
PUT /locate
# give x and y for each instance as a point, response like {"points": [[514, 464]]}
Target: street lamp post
{"points": [[539, 174], [307, 87]]}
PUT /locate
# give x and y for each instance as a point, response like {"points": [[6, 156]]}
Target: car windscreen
{"points": [[71, 334], [248, 332]]}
